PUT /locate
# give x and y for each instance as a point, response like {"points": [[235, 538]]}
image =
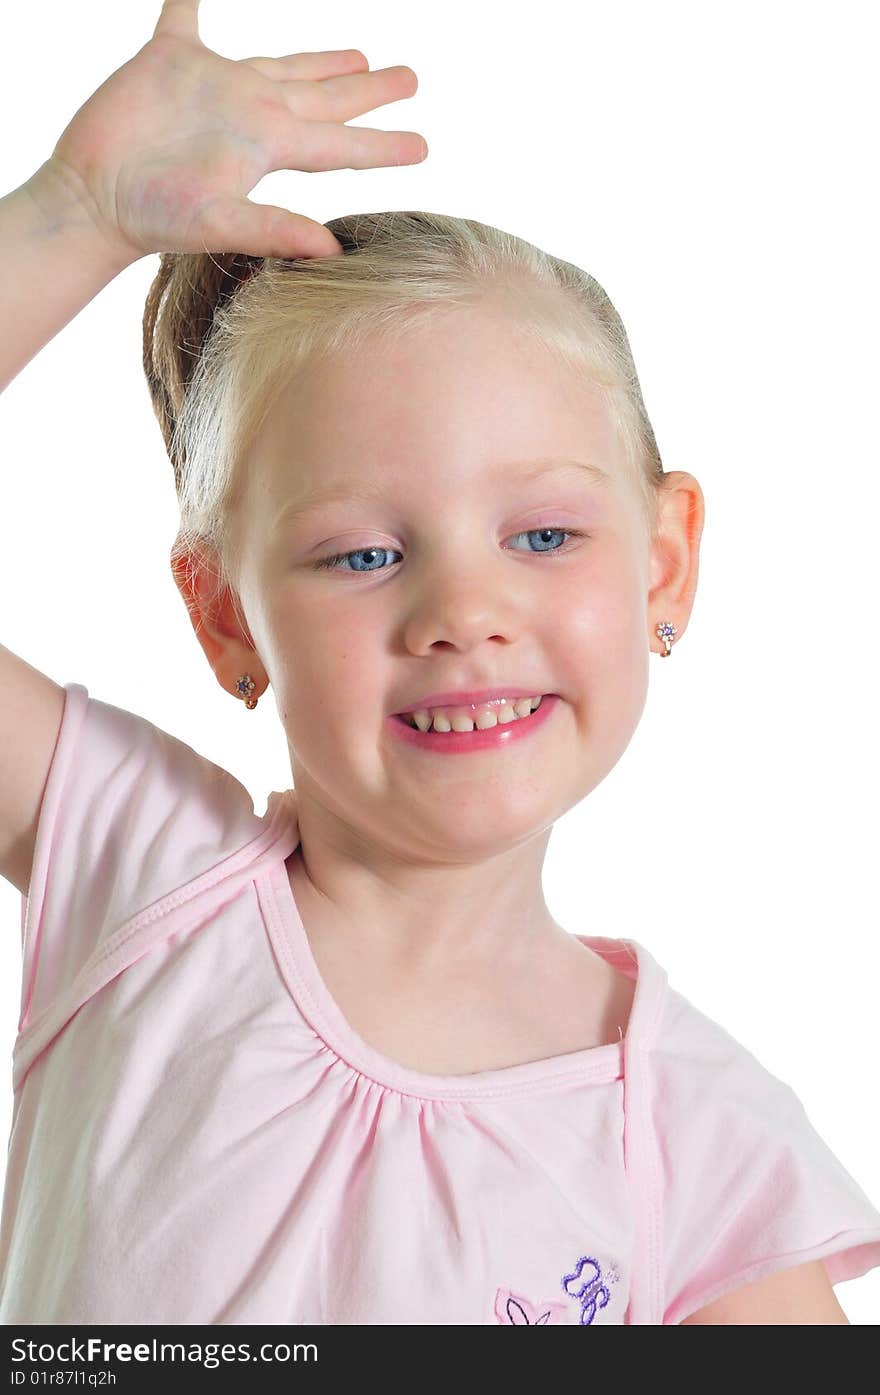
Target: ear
{"points": [[675, 553], [216, 615]]}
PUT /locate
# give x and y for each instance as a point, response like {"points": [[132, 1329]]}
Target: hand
{"points": [[163, 154]]}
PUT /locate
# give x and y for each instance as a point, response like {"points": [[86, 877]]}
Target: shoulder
{"points": [[745, 1186], [130, 815], [707, 1082]]}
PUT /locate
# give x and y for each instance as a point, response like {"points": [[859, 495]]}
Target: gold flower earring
{"points": [[667, 633], [244, 687]]}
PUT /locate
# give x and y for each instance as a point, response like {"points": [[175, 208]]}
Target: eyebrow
{"points": [[358, 490]]}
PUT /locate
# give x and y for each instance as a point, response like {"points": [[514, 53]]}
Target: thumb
{"points": [[233, 224]]}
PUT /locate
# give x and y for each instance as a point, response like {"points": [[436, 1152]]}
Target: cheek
{"points": [[600, 641], [335, 671], [601, 605], [347, 654]]}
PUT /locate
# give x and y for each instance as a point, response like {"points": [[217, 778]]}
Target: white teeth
{"points": [[485, 718]]}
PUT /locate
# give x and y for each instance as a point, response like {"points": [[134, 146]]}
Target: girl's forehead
{"points": [[461, 400], [471, 418]]}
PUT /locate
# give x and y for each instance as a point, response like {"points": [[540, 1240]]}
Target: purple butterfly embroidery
{"points": [[592, 1293]]}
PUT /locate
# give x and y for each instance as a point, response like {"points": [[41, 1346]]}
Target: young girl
{"points": [[338, 1064]]}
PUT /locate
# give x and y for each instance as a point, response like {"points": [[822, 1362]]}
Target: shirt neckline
{"points": [[593, 1064]]}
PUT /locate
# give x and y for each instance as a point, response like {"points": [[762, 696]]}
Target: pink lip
{"points": [[470, 699], [454, 743]]}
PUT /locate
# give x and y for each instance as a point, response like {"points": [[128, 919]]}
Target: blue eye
{"points": [[361, 552], [332, 562]]}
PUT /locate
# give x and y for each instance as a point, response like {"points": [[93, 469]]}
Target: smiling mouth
{"points": [[486, 719]]}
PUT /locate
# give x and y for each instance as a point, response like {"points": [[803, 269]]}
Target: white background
{"points": [[714, 167]]}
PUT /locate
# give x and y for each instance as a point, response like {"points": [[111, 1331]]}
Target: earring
{"points": [[667, 633], [244, 687]]}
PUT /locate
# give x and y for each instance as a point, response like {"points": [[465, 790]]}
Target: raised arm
{"points": [[53, 261], [161, 159]]}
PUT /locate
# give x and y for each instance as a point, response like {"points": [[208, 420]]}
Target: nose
{"points": [[462, 610]]}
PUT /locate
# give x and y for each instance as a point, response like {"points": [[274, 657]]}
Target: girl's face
{"points": [[436, 452]]}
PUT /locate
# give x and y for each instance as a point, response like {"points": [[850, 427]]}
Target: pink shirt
{"points": [[198, 1136]]}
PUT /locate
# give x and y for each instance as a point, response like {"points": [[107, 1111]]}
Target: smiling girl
{"points": [[338, 1064]]}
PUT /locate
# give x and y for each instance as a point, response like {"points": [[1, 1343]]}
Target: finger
{"points": [[328, 145], [341, 98], [180, 18], [262, 230], [314, 66]]}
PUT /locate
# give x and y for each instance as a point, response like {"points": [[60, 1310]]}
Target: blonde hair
{"points": [[224, 333]]}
